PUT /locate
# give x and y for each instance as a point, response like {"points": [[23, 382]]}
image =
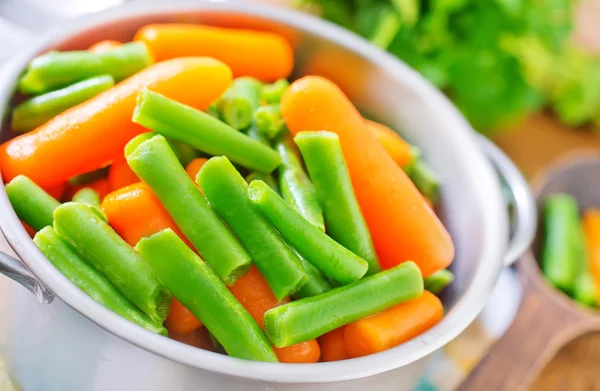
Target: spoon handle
{"points": [[546, 320]]}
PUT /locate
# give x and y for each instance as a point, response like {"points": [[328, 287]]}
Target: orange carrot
{"points": [[104, 46], [254, 294], [332, 345], [29, 230], [93, 134], [263, 55], [402, 226], [393, 326], [398, 149], [591, 227], [57, 191], [180, 320], [193, 168], [121, 175]]}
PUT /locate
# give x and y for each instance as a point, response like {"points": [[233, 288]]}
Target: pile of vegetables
{"points": [[272, 216], [498, 60]]}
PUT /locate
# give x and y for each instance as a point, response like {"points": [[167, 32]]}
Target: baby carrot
{"points": [[199, 289], [591, 227], [226, 192], [154, 162], [331, 258], [307, 352], [402, 226], [238, 103], [104, 46], [180, 320], [121, 175], [263, 55], [203, 132], [399, 150], [312, 317], [327, 168], [40, 109], [31, 203], [58, 69], [585, 290], [393, 326], [89, 280], [332, 345], [57, 191], [194, 167], [88, 196], [94, 133], [99, 245]]}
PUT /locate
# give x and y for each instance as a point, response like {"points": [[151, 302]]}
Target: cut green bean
{"points": [[156, 165], [88, 196], [269, 120], [238, 103], [54, 70], [585, 290], [296, 189], [31, 203], [39, 110], [89, 280], [316, 282], [196, 286], [559, 265], [425, 180], [272, 93], [327, 168], [227, 193], [213, 111], [100, 246], [312, 317], [202, 132], [330, 257], [267, 178], [439, 280]]}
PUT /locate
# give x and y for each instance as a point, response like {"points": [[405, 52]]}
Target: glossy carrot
{"points": [[399, 150], [120, 175], [332, 345], [180, 320], [263, 55], [393, 326], [194, 167], [591, 227], [255, 295], [402, 226], [104, 46], [93, 134]]}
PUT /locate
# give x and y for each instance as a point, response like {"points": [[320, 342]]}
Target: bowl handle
{"points": [[520, 200], [17, 271]]}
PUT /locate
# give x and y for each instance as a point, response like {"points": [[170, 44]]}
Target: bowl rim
{"points": [[495, 219]]}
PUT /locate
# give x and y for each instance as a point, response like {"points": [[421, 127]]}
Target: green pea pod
{"points": [[154, 163], [227, 193], [272, 93], [31, 203], [54, 70], [316, 282], [88, 196], [239, 102], [197, 287], [99, 245], [202, 132], [439, 280], [296, 188], [331, 258], [269, 120], [312, 317], [39, 110], [327, 168], [89, 280]]}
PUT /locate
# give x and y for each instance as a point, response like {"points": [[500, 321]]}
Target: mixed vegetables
{"points": [[271, 220]]}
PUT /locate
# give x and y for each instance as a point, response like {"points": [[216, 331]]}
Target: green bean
{"points": [[316, 282], [328, 171], [184, 153], [425, 180], [88, 196], [39, 110], [255, 134], [58, 69], [227, 193], [100, 246], [439, 280], [202, 132], [267, 178], [585, 290], [331, 258], [312, 317], [196, 286], [272, 93], [238, 103], [269, 120], [89, 280], [31, 203], [296, 189], [156, 165], [558, 259]]}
